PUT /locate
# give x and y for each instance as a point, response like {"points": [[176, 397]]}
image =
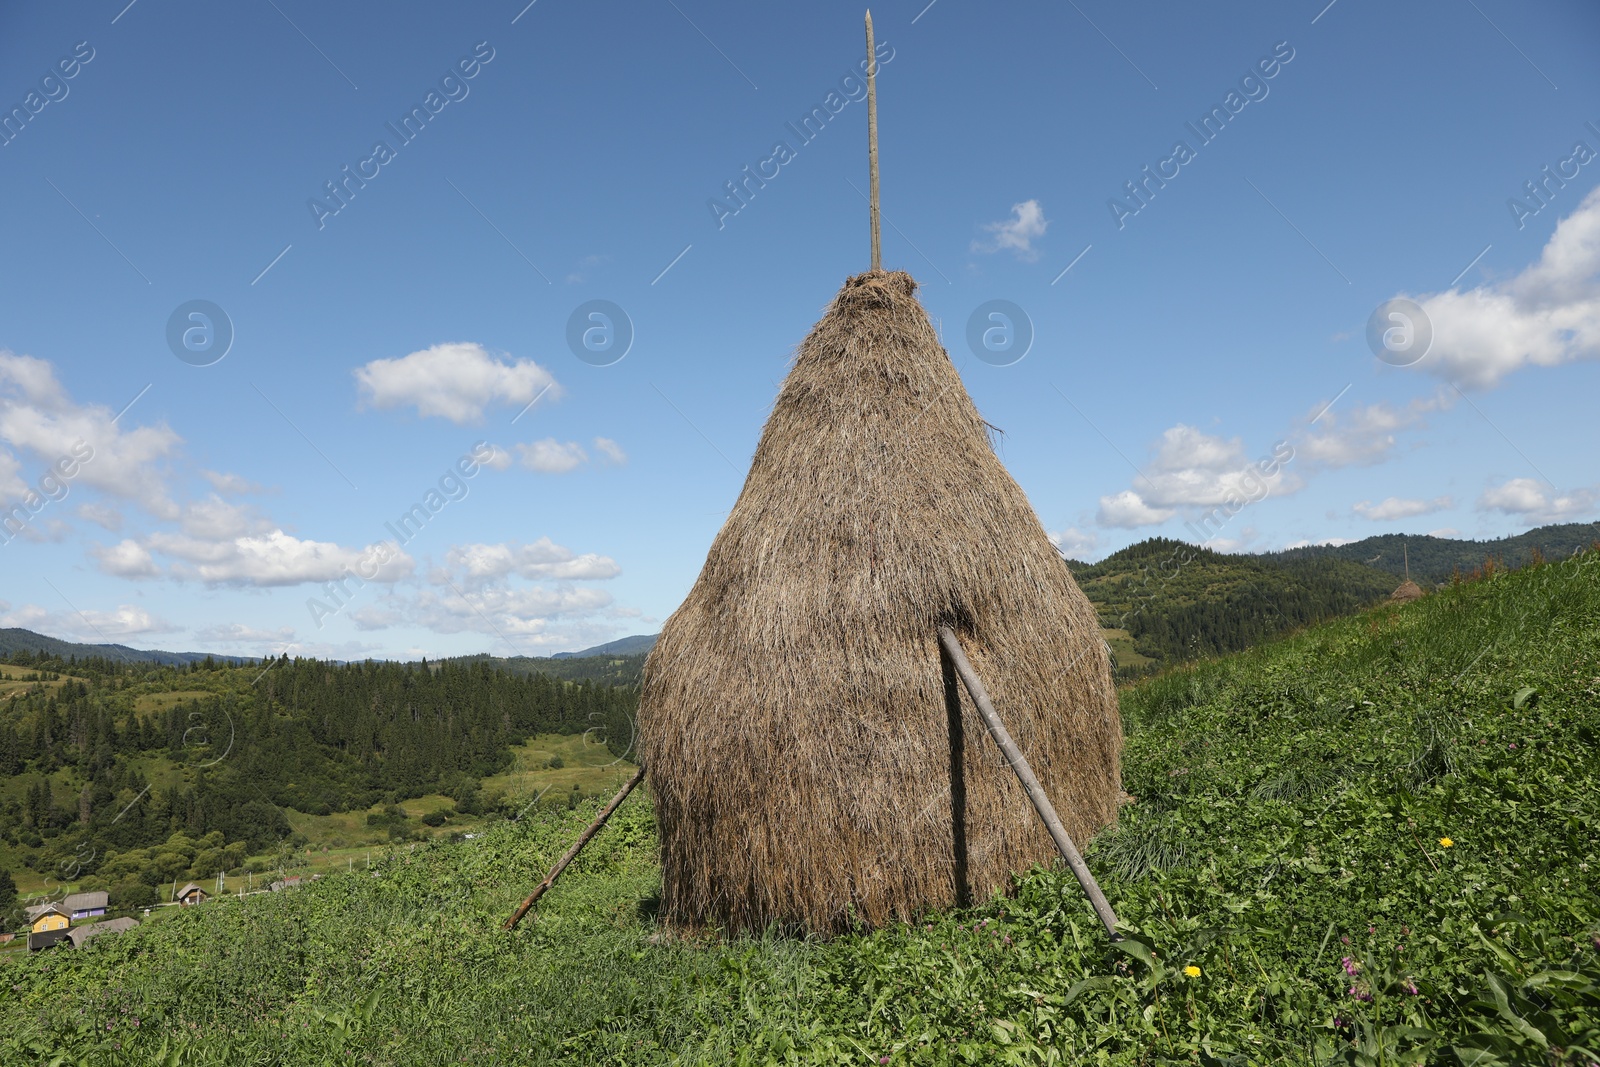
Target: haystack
{"points": [[814, 760], [1407, 590]]}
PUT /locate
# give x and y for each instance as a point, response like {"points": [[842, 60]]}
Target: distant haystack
{"points": [[814, 759], [1408, 590]]}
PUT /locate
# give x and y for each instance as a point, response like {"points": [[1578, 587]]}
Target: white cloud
{"points": [[1324, 541], [375, 618], [543, 559], [453, 381], [38, 417], [1362, 436], [126, 621], [550, 456], [233, 633], [1075, 543], [12, 484], [610, 450], [520, 610], [1127, 510], [1195, 469], [102, 515], [1545, 316], [126, 559], [499, 459], [1527, 499], [1231, 545], [230, 484], [1016, 234], [580, 273], [277, 558], [214, 519], [1445, 531], [92, 626], [1397, 508], [530, 594]]}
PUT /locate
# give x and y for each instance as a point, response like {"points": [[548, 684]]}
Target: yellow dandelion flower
{"points": [[1445, 842], [1192, 971]]}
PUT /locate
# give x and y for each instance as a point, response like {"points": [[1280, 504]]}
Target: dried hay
{"points": [[814, 760]]}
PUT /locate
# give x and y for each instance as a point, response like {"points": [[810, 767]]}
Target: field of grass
{"points": [[586, 765], [1372, 843], [1127, 657], [14, 679]]}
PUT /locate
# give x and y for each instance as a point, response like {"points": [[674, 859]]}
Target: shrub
{"points": [[134, 895]]}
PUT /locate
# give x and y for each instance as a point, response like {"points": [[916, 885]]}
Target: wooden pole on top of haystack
{"points": [[872, 146]]}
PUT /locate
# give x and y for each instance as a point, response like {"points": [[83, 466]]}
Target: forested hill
{"points": [[1162, 601], [607, 670], [1437, 559], [99, 756], [15, 639]]}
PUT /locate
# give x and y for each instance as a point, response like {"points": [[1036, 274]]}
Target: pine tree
{"points": [[8, 900]]}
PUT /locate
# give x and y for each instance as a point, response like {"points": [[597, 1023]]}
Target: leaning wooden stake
{"points": [[577, 846], [872, 144], [1019, 763]]}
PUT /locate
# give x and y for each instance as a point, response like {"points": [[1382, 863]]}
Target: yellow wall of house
{"points": [[50, 922]]}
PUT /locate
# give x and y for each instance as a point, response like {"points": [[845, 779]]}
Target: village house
{"points": [[86, 905], [191, 895], [47, 924]]}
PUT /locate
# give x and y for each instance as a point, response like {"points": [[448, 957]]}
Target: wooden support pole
{"points": [[872, 146], [577, 846], [1019, 764]]}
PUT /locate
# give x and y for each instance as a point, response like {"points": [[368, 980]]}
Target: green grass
{"points": [[14, 680], [1128, 659], [585, 764], [1285, 843]]}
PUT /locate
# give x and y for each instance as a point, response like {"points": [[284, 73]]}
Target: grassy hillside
{"points": [[1370, 843]]}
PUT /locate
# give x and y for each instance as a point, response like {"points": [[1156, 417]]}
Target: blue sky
{"points": [[157, 154]]}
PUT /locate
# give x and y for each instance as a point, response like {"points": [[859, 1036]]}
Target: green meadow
{"points": [[1370, 842]]}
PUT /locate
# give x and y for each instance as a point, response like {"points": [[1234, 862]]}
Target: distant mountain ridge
{"points": [[16, 639], [637, 645], [1435, 559]]}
